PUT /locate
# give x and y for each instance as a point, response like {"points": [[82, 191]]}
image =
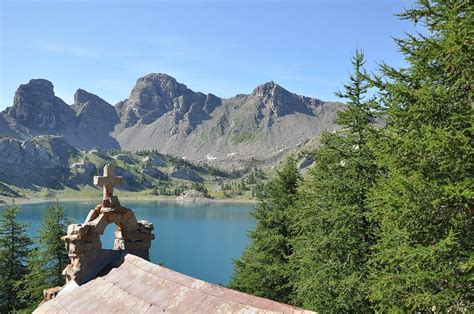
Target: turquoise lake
{"points": [[199, 240]]}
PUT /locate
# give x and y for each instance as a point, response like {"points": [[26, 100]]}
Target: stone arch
{"points": [[85, 248]]}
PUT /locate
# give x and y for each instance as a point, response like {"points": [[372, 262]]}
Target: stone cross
{"points": [[108, 181]]}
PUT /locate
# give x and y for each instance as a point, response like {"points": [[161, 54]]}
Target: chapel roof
{"points": [[140, 286]]}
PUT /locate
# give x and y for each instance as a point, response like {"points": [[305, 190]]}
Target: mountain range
{"points": [[164, 115]]}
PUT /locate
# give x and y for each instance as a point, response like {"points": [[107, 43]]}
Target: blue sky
{"points": [[223, 47]]}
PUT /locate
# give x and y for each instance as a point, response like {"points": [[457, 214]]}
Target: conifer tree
{"points": [[262, 269], [423, 258], [47, 261], [330, 218], [14, 247]]}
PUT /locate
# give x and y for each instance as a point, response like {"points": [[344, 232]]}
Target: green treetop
{"points": [[47, 261], [262, 269], [14, 248], [333, 233]]}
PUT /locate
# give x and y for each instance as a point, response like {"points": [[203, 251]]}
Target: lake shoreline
{"points": [[37, 200]]}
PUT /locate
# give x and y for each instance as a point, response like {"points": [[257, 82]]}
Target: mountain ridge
{"points": [[165, 115]]}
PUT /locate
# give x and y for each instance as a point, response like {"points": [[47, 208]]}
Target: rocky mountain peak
{"points": [[37, 85], [156, 94], [269, 89], [34, 88], [82, 97], [35, 106], [160, 84], [279, 100], [94, 113], [83, 100]]}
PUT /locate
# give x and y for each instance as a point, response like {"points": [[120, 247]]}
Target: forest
{"points": [[384, 220]]}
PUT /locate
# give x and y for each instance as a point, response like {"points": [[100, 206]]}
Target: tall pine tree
{"points": [[262, 269], [47, 261], [423, 258], [334, 235], [14, 247]]}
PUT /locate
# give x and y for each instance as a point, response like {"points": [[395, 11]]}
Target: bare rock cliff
{"points": [[36, 107]]}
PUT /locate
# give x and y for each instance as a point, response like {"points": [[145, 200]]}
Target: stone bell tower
{"points": [[83, 243]]}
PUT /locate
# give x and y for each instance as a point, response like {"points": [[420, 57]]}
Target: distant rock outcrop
{"points": [[154, 161], [132, 182], [36, 107], [191, 196], [39, 162], [125, 158], [100, 153], [185, 174], [96, 120], [154, 173], [82, 172], [305, 162]]}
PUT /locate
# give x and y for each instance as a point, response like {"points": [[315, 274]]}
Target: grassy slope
{"points": [[93, 193], [86, 192]]}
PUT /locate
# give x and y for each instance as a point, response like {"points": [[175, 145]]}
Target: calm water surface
{"points": [[199, 240]]}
